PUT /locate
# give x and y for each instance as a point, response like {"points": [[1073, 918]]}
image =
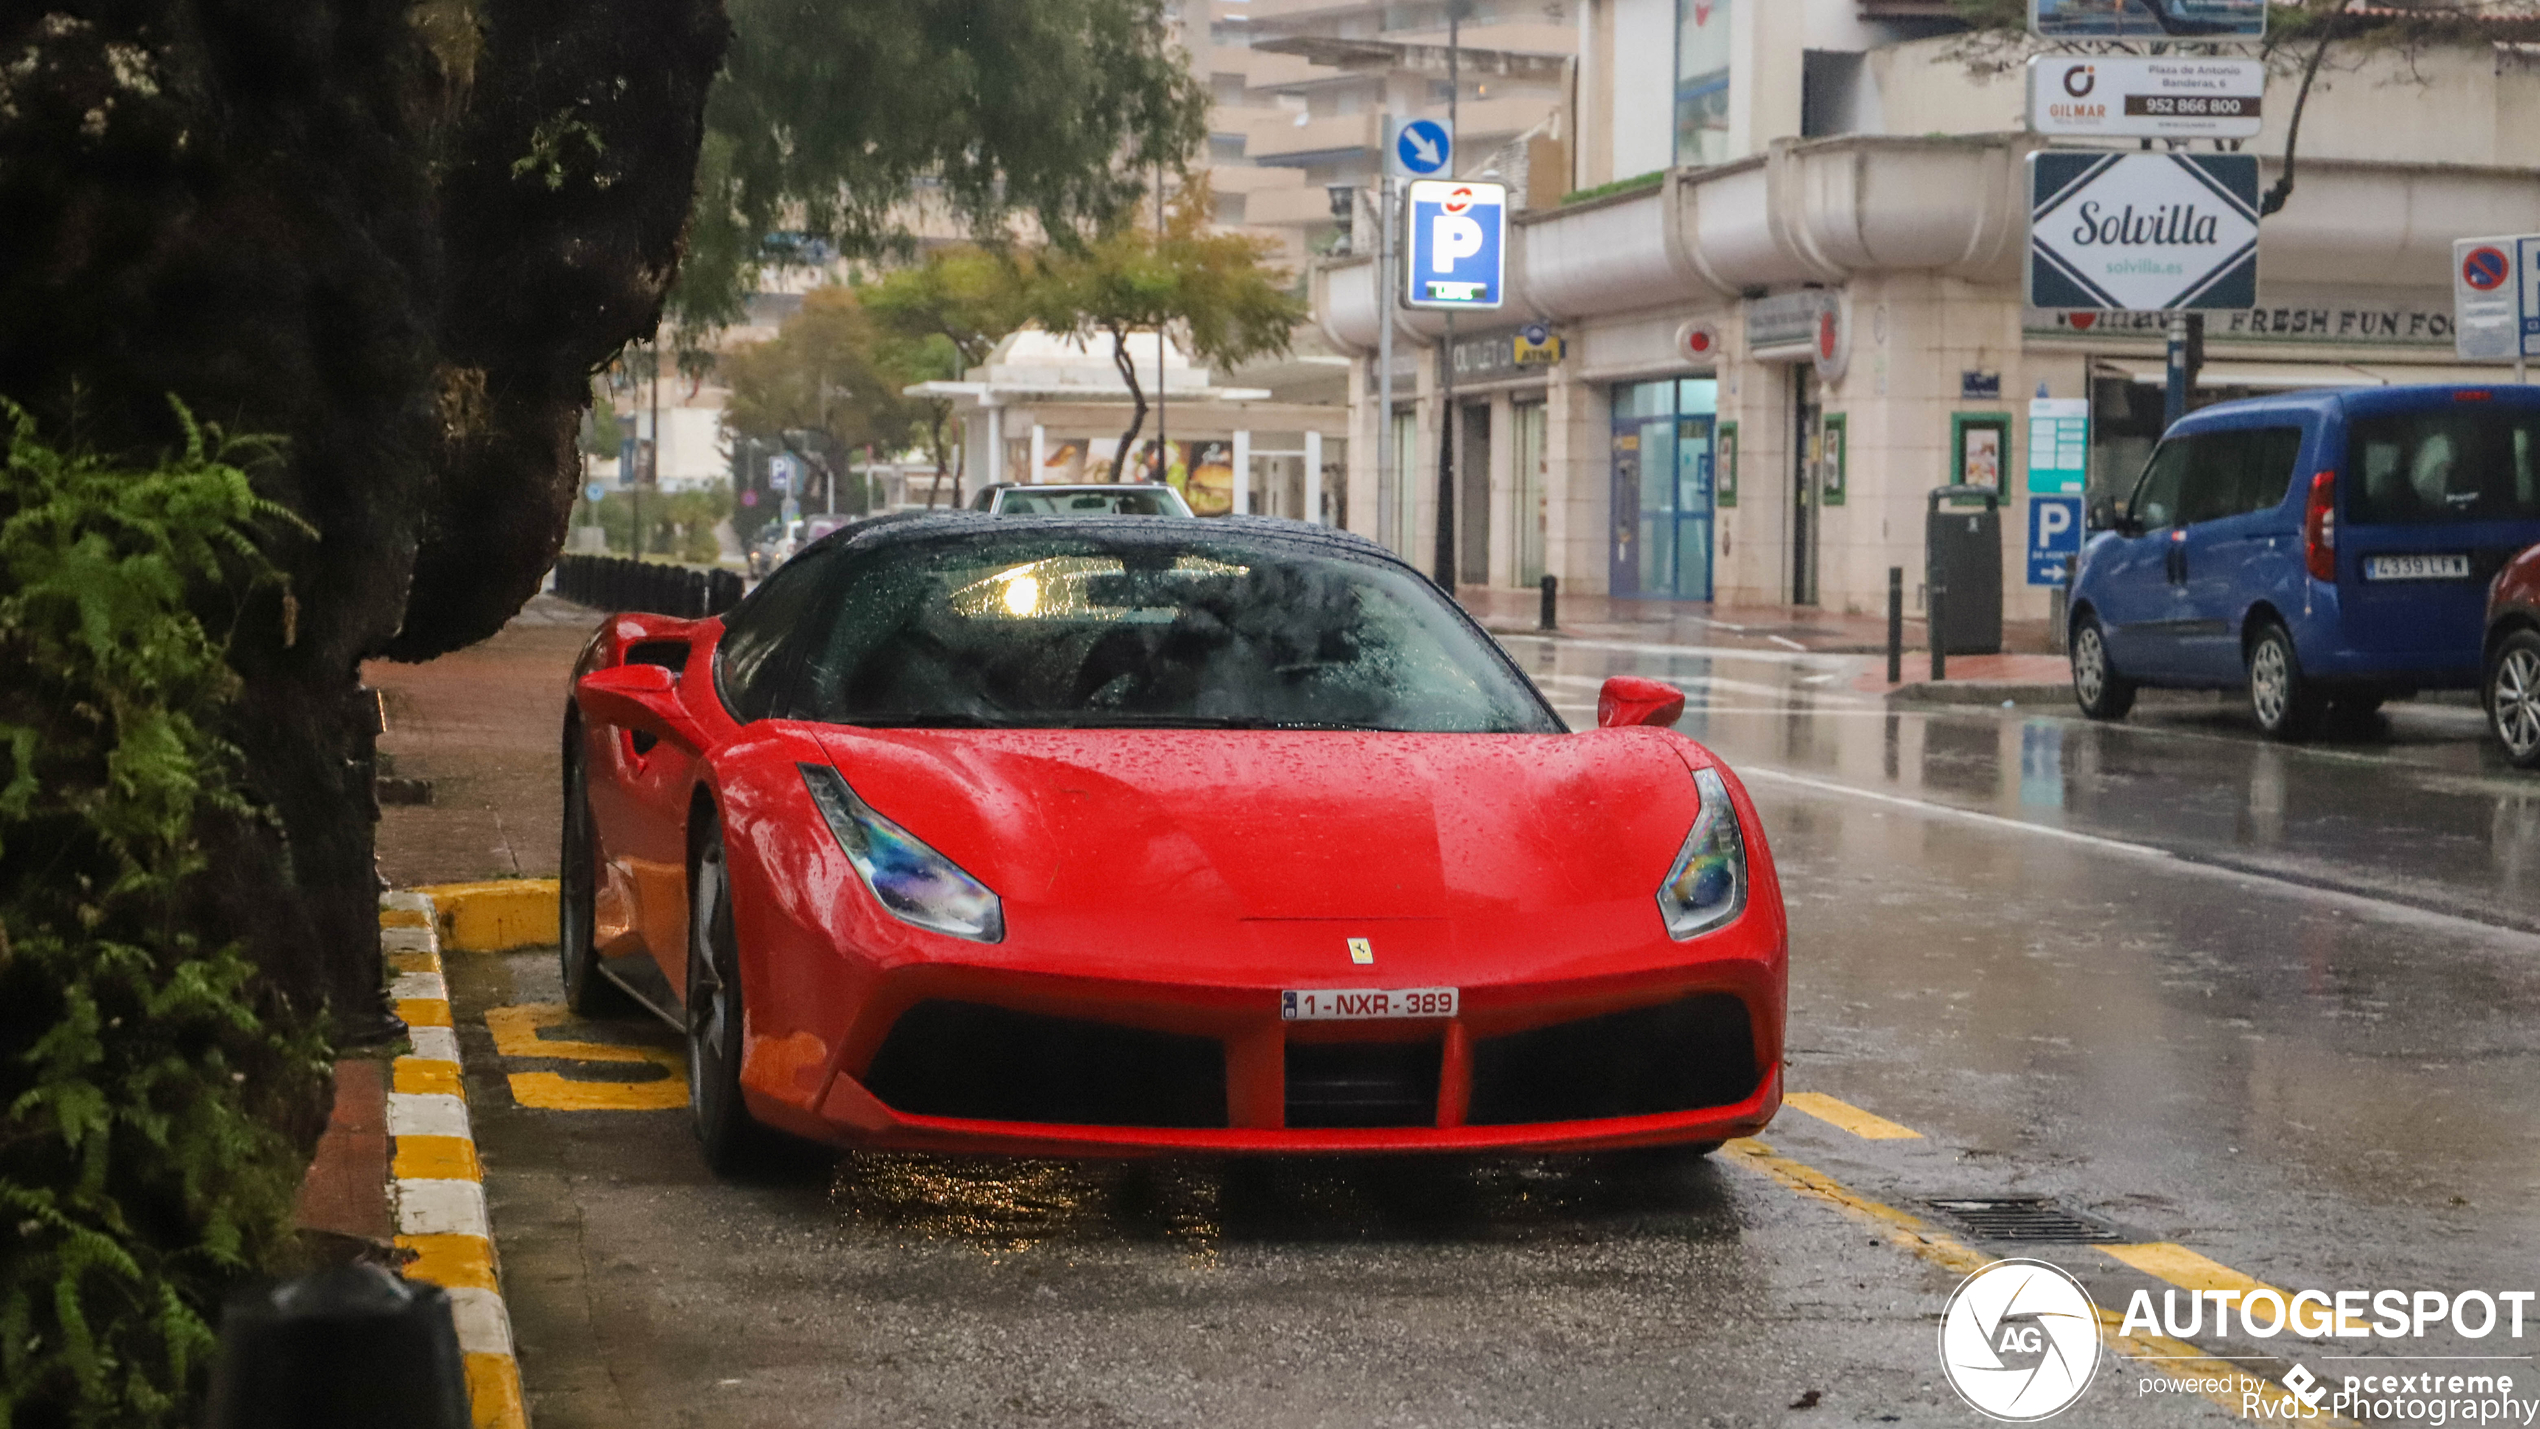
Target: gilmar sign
{"points": [[2142, 232], [2129, 97]]}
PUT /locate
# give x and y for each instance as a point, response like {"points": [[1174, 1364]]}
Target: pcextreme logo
{"points": [[2019, 1340]]}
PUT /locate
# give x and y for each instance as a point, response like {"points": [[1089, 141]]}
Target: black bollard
{"points": [[1895, 625], [350, 1345], [1551, 619], [1939, 636]]}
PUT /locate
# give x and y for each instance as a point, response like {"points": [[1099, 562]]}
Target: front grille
{"points": [[1346, 1084], [963, 1059], [1677, 1056]]}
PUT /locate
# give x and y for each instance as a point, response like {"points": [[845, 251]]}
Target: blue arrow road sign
{"points": [[2054, 537], [1423, 147], [1458, 248]]}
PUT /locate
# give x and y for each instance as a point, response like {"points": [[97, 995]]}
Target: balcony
{"points": [[1304, 206], [1286, 141]]}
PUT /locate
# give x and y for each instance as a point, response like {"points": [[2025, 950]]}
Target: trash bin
{"points": [[1962, 568]]}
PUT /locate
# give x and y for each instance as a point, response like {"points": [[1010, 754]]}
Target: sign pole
{"points": [[1446, 348], [2175, 407], [1387, 501]]}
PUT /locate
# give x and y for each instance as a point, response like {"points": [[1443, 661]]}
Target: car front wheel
{"points": [[731, 1140], [2280, 698], [586, 989], [2513, 698], [2097, 688]]}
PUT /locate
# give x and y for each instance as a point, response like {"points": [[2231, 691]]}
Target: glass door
{"points": [[1665, 443]]}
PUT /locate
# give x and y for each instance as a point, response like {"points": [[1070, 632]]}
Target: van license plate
{"points": [[2417, 568], [1355, 1004]]}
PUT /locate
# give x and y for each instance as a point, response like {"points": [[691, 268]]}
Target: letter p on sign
{"points": [[1457, 236]]}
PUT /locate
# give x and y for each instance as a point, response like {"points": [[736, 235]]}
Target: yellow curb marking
{"points": [[403, 918], [493, 1392], [437, 1158], [515, 1032], [2169, 1357], [549, 1092], [453, 1262], [1849, 1117], [424, 1011], [414, 962], [495, 916], [424, 1077]]}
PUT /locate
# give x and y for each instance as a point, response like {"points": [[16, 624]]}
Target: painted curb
{"points": [[435, 1181], [494, 916]]}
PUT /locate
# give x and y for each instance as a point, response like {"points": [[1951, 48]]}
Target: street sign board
{"points": [[2208, 20], [2054, 537], [2527, 262], [2487, 306], [2134, 97], [594, 491], [2137, 232], [1422, 147], [780, 472], [1458, 247], [2058, 445]]}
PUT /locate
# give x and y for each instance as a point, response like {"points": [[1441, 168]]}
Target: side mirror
{"points": [[643, 698], [1629, 700]]}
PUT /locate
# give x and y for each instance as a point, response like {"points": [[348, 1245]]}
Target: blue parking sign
{"points": [[1458, 246], [2054, 537]]}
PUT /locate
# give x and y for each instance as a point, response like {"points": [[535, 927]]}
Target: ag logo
{"points": [[2019, 1340], [2080, 80]]}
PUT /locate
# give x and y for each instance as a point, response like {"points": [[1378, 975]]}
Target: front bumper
{"points": [[959, 1058]]}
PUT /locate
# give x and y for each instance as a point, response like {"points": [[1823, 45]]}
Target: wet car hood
{"points": [[1273, 825]]}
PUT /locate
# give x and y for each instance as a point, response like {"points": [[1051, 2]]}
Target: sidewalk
{"points": [[1686, 622]]}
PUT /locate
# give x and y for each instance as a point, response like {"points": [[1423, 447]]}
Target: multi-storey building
{"points": [[1790, 291]]}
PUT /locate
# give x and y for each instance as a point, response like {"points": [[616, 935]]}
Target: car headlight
{"points": [[1707, 887], [915, 883]]}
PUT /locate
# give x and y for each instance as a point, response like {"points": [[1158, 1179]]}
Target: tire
{"points": [[2281, 700], [586, 990], [2097, 687], [733, 1143], [2513, 697]]}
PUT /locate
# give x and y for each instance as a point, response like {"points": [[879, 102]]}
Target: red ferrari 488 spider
{"points": [[1099, 835]]}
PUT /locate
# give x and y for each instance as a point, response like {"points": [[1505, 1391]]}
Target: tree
{"points": [[938, 319], [820, 373], [1210, 289], [839, 120]]}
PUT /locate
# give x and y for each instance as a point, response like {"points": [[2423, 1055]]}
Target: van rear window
{"points": [[2448, 464]]}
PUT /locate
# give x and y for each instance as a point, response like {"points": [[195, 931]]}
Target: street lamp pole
{"points": [[1446, 347]]}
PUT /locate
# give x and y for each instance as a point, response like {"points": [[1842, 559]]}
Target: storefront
{"points": [[1765, 366]]}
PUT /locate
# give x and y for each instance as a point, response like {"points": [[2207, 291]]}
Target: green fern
{"points": [[142, 1076]]}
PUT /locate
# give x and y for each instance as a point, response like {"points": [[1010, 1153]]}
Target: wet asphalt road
{"points": [[2272, 1005]]}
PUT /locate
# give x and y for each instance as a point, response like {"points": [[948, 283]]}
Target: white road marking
{"points": [[1692, 652], [412, 985], [441, 1207], [426, 1114], [434, 1044], [485, 1327], [2357, 902], [1786, 644]]}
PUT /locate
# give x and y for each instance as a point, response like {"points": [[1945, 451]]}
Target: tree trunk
{"points": [[1138, 409], [312, 222]]}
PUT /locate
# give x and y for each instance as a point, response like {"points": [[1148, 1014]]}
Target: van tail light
{"points": [[2319, 527]]}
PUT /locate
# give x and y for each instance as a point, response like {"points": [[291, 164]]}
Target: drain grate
{"points": [[2023, 1218]]}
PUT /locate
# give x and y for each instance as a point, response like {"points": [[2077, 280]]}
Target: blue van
{"points": [[2317, 548]]}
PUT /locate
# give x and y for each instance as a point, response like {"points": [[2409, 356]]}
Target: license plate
{"points": [[2417, 568], [1356, 1004]]}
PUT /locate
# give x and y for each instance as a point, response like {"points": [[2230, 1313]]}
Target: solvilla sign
{"points": [[2142, 232]]}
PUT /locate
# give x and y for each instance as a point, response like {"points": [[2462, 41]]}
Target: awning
{"points": [[2291, 376]]}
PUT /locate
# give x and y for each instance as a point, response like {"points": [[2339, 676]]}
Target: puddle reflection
{"points": [[1007, 1205]]}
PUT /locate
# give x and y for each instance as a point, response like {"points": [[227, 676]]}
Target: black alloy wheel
{"points": [[586, 989], [732, 1142], [2513, 697]]}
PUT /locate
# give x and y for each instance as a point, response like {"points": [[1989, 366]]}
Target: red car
{"points": [[1098, 835], [2513, 658]]}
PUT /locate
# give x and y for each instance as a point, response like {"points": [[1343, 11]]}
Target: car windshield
{"points": [[1095, 630], [1089, 503], [2461, 462]]}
